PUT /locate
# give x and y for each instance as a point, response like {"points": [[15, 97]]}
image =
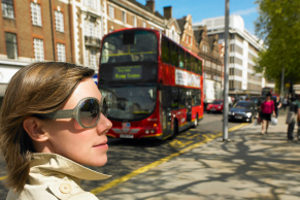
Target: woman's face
{"points": [[87, 146]]}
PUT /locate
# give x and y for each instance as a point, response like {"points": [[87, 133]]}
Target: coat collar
{"points": [[46, 162]]}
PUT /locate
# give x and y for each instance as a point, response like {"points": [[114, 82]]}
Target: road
{"points": [[125, 156]]}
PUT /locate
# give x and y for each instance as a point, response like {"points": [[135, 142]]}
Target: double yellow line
{"points": [[156, 163]]}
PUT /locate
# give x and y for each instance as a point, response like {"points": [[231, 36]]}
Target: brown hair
{"points": [[38, 88]]}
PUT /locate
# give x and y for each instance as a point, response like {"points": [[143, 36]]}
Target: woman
{"points": [[51, 125], [277, 106], [267, 108]]}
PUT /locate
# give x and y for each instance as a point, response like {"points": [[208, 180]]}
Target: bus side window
{"points": [[174, 98], [181, 58], [196, 94], [165, 50], [174, 54], [182, 99]]}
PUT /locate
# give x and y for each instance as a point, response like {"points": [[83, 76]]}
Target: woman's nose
{"points": [[104, 124]]}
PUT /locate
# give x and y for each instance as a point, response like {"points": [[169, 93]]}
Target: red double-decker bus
{"points": [[152, 85]]}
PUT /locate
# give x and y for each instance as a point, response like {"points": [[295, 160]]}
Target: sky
{"points": [[202, 9]]}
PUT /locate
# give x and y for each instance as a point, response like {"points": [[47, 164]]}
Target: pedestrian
{"points": [[293, 116], [284, 103], [51, 128], [278, 105], [267, 108]]}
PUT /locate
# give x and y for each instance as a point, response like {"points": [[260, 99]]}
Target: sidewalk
{"points": [[251, 166]]}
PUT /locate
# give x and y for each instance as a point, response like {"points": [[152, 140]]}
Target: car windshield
{"points": [[242, 105], [217, 102]]}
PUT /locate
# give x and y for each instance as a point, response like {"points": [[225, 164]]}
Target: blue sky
{"points": [[201, 9]]}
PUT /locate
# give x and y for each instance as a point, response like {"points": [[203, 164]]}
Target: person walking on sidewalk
{"points": [[267, 109], [293, 116], [278, 105]]}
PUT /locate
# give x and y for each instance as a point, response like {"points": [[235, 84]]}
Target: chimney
{"points": [[151, 4], [168, 12]]}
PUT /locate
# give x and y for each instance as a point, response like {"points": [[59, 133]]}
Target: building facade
{"points": [[32, 30], [72, 30], [243, 49], [213, 68]]}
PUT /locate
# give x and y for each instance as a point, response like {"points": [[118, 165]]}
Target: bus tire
{"points": [[196, 122]]}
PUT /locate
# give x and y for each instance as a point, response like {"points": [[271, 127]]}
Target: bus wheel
{"points": [[196, 122]]}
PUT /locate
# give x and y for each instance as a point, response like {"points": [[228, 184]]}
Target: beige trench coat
{"points": [[54, 177]]}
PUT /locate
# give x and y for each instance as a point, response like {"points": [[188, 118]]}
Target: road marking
{"points": [[207, 138], [146, 168]]}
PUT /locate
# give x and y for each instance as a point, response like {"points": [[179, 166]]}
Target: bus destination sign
{"points": [[127, 72]]}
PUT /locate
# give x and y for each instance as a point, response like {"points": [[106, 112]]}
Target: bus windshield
{"points": [[129, 46], [130, 103]]}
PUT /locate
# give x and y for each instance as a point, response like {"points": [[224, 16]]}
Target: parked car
{"points": [[215, 106], [243, 111]]}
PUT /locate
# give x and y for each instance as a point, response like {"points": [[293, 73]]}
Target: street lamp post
{"points": [[226, 106]]}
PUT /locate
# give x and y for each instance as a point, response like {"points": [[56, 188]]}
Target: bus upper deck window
{"points": [[128, 38]]}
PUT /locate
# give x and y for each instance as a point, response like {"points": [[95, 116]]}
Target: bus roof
{"points": [[157, 32]]}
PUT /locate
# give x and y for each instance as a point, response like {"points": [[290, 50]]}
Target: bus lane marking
{"points": [[113, 183]]}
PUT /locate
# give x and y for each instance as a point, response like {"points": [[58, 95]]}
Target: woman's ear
{"points": [[33, 127]]}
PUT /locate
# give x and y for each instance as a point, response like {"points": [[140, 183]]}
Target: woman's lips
{"points": [[101, 145]]}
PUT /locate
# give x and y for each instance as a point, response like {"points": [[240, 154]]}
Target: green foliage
{"points": [[279, 26]]}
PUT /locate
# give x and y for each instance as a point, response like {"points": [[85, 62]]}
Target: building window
{"points": [[61, 52], [92, 28], [36, 14], [231, 84], [11, 45], [38, 46], [124, 18], [111, 11], [92, 58], [144, 24], [8, 9], [91, 4], [59, 21], [134, 21]]}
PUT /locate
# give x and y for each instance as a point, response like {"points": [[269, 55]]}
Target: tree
{"points": [[279, 26]]}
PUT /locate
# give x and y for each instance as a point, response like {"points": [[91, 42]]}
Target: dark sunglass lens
{"points": [[89, 113], [104, 107]]}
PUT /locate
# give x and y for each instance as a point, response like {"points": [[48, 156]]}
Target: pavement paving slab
{"points": [[249, 166]]}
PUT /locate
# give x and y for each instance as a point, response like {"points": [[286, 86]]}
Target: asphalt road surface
{"points": [[126, 156]]}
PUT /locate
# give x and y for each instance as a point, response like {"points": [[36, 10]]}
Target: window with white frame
{"points": [[124, 18], [91, 4], [144, 24], [8, 9], [59, 21], [92, 29], [111, 11], [38, 46], [61, 52], [91, 55], [134, 21], [11, 45], [36, 14]]}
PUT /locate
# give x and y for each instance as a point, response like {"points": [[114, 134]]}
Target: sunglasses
{"points": [[87, 112]]}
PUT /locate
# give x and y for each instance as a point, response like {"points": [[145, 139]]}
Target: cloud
{"points": [[248, 11]]}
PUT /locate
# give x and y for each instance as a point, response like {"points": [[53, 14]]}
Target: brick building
{"points": [[32, 30]]}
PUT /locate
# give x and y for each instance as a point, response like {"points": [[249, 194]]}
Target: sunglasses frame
{"points": [[74, 113]]}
